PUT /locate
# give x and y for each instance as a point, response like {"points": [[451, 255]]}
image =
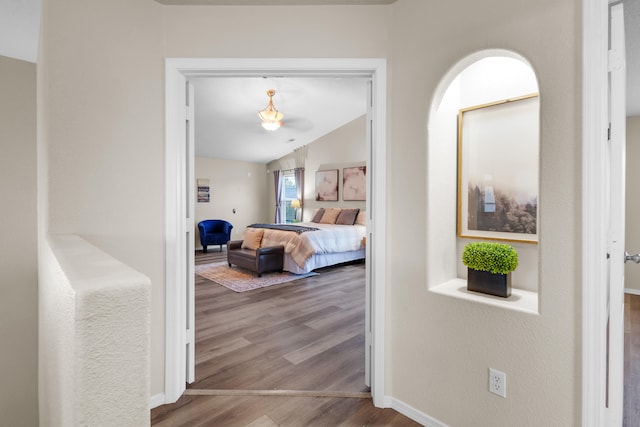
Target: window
{"points": [[289, 193]]}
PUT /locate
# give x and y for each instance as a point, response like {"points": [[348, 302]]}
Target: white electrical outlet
{"points": [[497, 382]]}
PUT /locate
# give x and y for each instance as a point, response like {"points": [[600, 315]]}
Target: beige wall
{"points": [[104, 109], [344, 147], [105, 139], [18, 246], [103, 103], [632, 237], [233, 185], [437, 340], [277, 31]]}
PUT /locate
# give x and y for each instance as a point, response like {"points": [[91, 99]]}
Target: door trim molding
{"points": [[175, 243], [177, 69], [595, 26]]}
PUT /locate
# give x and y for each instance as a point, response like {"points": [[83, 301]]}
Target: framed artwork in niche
{"points": [[498, 170], [327, 185], [354, 183]]}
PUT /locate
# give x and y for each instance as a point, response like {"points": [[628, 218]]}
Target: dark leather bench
{"points": [[261, 260]]}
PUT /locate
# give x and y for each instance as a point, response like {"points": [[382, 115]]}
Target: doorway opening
{"points": [[307, 335], [179, 224]]}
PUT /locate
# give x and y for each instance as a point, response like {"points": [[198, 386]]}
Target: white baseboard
{"points": [[156, 400], [411, 412], [632, 291], [389, 402]]}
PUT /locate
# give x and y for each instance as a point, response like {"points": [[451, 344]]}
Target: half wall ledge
{"points": [[94, 336], [520, 300]]}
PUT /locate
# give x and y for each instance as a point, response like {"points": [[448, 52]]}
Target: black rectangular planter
{"points": [[489, 283]]}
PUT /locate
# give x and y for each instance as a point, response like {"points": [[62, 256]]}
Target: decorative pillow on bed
{"points": [[251, 238], [347, 216], [330, 215], [317, 216], [361, 219]]}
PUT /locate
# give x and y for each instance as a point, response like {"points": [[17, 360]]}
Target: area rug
{"points": [[240, 280]]}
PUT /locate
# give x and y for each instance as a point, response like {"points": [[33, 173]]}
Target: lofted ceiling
{"points": [[226, 113]]}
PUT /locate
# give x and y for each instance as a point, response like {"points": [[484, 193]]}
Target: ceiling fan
{"points": [[272, 118]]}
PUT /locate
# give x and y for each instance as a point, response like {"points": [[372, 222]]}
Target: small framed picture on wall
{"points": [[203, 191]]}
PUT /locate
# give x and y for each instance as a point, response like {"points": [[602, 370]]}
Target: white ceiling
{"points": [[19, 29], [226, 113]]}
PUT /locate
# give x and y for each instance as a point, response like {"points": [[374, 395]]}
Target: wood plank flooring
{"points": [[235, 411], [631, 361], [305, 336], [279, 356]]}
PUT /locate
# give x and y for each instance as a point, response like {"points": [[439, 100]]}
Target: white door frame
{"points": [[177, 70], [595, 217]]}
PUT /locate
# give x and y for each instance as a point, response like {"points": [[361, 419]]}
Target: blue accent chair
{"points": [[214, 232]]}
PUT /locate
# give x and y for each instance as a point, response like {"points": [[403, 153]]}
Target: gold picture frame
{"points": [[498, 170]]}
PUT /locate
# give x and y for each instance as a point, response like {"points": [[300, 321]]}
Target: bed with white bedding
{"points": [[321, 246]]}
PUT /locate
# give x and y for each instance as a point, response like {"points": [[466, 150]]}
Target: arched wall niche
{"points": [[480, 78]]}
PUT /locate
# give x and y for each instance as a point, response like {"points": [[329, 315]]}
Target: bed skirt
{"points": [[322, 260]]}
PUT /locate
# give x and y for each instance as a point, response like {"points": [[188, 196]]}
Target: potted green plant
{"points": [[489, 267]]}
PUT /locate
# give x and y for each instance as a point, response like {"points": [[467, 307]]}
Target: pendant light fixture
{"points": [[271, 118]]}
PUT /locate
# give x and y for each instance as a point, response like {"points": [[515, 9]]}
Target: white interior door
{"points": [[368, 348], [189, 209], [617, 142]]}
